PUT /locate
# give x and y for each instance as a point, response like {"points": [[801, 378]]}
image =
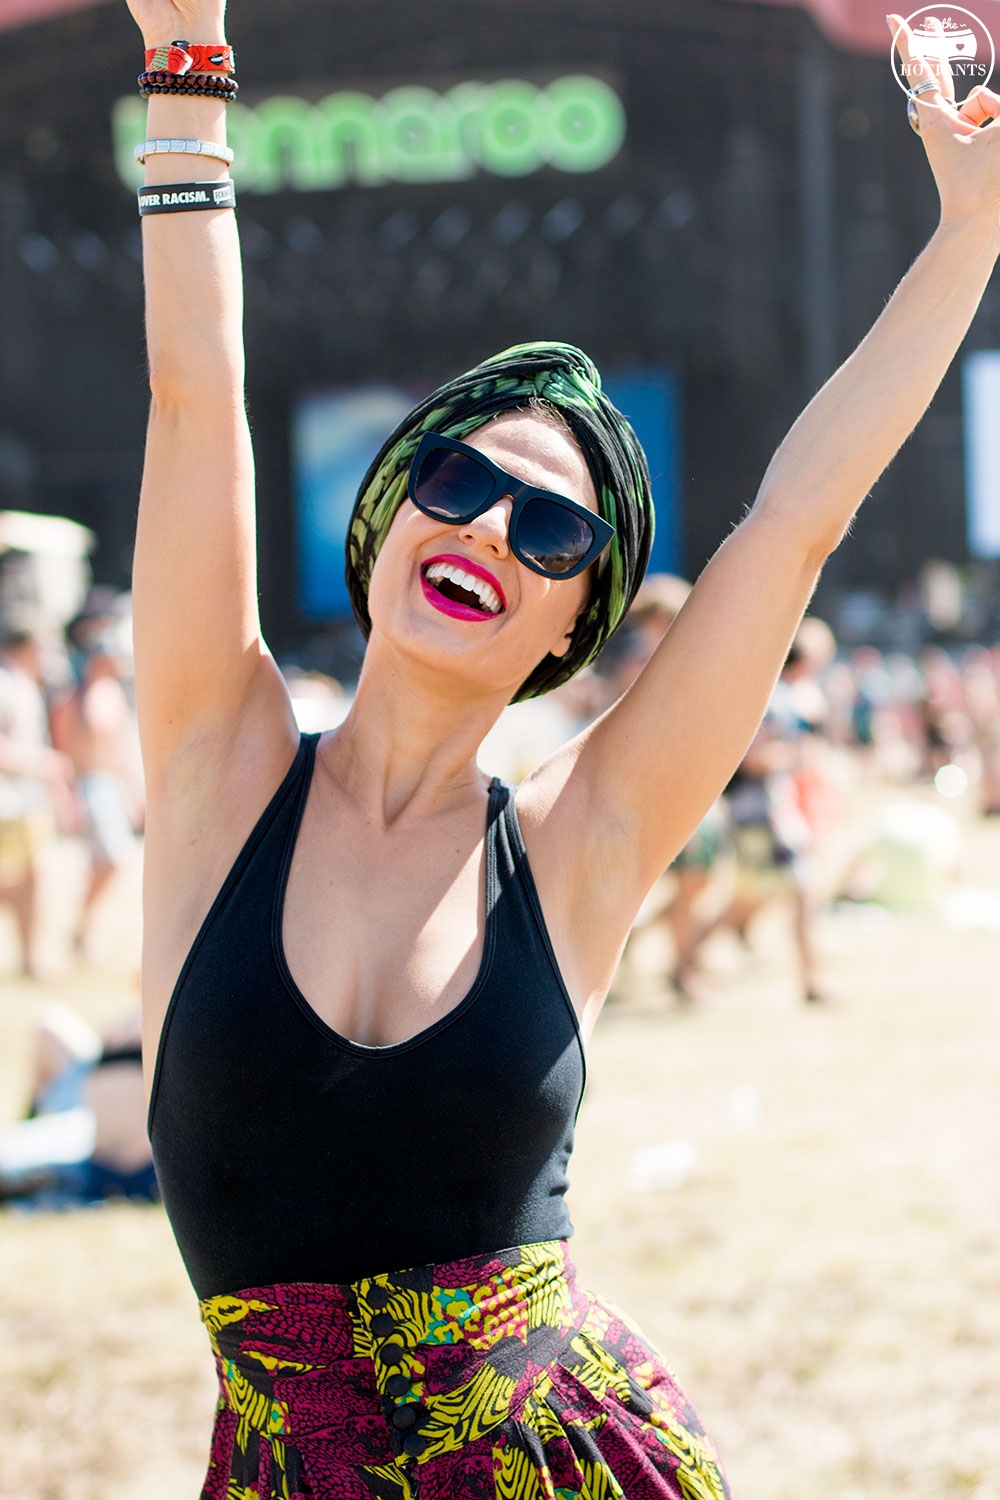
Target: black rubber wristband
{"points": [[186, 197]]}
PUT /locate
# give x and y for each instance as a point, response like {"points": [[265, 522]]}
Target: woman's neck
{"points": [[408, 746]]}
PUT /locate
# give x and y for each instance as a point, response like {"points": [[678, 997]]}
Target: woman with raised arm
{"points": [[369, 971]]}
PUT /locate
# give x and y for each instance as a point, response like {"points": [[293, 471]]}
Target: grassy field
{"points": [[820, 1261]]}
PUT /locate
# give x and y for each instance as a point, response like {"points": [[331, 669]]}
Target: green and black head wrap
{"points": [[552, 375]]}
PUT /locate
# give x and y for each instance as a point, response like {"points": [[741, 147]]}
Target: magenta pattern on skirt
{"points": [[496, 1378]]}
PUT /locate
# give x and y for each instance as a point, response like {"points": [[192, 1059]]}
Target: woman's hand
{"points": [[962, 142], [162, 21]]}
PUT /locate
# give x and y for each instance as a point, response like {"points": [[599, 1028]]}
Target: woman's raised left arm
{"points": [[637, 783]]}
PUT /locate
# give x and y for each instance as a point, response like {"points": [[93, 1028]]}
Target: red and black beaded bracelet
{"points": [[204, 85]]}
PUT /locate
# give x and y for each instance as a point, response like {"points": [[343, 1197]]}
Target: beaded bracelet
{"points": [[205, 85]]}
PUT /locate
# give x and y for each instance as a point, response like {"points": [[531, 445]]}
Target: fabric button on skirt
{"points": [[496, 1378]]}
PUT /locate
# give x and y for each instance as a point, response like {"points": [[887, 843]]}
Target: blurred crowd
{"points": [[787, 826], [794, 826], [793, 829]]}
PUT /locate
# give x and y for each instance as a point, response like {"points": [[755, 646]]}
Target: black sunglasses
{"points": [[550, 533]]}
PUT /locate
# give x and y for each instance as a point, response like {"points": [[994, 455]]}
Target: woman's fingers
{"points": [[924, 66], [936, 58], [981, 106]]}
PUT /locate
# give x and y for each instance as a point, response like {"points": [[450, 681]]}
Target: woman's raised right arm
{"points": [[204, 676]]}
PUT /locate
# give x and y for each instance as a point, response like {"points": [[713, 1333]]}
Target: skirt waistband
{"points": [[429, 1359]]}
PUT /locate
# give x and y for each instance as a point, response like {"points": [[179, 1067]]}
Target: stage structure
{"points": [[714, 197]]}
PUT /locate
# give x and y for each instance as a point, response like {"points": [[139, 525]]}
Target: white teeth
{"points": [[484, 591]]}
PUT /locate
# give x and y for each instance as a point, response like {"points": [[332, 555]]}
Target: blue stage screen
{"points": [[651, 400], [336, 435]]}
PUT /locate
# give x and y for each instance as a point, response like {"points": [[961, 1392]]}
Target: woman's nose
{"points": [[491, 528]]}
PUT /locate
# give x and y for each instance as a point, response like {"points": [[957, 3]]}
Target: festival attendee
{"points": [[369, 972], [946, 723], [93, 725], [780, 800], [35, 779], [982, 701]]}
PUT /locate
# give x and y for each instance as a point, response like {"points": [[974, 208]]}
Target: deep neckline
{"points": [[390, 1049]]}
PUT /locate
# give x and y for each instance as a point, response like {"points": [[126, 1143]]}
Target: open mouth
{"points": [[457, 591]]}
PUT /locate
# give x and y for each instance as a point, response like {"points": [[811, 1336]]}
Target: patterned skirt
{"points": [[496, 1378]]}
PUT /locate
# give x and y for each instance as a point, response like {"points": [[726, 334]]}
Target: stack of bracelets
{"points": [[191, 69], [194, 70]]}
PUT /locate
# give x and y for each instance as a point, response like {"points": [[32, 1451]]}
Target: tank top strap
{"points": [[521, 903], [511, 856], [293, 795]]}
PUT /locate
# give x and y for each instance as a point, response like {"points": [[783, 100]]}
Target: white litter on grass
{"points": [[970, 908], [668, 1166], [919, 827], [913, 859], [743, 1107], [863, 914]]}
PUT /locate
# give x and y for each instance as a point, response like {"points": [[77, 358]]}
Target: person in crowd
{"points": [[657, 605], [779, 800], [947, 728], [93, 725], [84, 1138], [982, 702], [370, 970], [35, 779], [872, 691], [888, 720]]}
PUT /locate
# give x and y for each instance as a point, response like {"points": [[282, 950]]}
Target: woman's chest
{"points": [[384, 935]]}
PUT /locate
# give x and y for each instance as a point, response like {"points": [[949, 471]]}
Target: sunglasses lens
{"points": [[552, 536], [451, 485]]}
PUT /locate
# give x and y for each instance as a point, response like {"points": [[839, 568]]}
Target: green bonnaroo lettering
{"points": [[411, 134]]}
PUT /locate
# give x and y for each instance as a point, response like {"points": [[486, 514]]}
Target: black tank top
{"points": [[285, 1152]]}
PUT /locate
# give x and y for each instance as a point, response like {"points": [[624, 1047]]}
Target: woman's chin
{"points": [[455, 651]]}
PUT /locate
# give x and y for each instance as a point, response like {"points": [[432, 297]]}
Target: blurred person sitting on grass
{"points": [[84, 1138], [370, 969], [35, 780]]}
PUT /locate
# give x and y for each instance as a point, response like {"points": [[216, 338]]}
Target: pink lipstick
{"points": [[453, 607]]}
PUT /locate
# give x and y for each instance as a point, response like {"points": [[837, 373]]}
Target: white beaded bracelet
{"points": [[184, 148]]}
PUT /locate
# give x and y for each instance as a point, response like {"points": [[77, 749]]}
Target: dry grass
{"points": [[827, 1283]]}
